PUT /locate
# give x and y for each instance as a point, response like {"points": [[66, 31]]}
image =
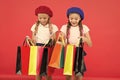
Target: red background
{"points": [[102, 17]]}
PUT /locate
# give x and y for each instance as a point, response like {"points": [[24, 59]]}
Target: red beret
{"points": [[43, 9]]}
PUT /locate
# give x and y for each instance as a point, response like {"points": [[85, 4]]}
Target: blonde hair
{"points": [[50, 27]]}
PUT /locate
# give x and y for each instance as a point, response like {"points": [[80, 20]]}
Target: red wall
{"points": [[102, 17]]}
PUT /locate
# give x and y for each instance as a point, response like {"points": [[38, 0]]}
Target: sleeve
{"points": [[33, 28], [63, 29], [55, 28], [85, 29]]}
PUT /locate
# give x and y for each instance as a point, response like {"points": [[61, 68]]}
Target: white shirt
{"points": [[74, 33], [43, 34]]}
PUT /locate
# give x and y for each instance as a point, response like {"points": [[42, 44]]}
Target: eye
{"points": [[45, 18], [70, 18], [40, 18], [76, 18]]}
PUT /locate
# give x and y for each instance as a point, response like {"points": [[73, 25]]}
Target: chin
{"points": [[43, 24], [74, 25]]}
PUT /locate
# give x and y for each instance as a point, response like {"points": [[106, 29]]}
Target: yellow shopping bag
{"points": [[68, 66], [33, 60]]}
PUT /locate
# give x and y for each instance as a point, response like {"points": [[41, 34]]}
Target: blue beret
{"points": [[76, 10]]}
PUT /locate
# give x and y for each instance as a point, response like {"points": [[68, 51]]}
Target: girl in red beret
{"points": [[76, 33], [43, 31]]}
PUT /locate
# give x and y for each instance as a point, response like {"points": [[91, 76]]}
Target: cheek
{"points": [[78, 21], [47, 19], [70, 20], [39, 19]]}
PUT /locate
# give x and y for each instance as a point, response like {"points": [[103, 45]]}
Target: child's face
{"points": [[43, 18], [74, 19]]}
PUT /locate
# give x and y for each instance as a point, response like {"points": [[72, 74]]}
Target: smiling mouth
{"points": [[74, 23]]}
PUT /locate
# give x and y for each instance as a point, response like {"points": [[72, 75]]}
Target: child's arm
{"points": [[63, 38], [86, 38], [33, 38]]}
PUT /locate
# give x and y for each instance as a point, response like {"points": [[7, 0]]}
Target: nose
{"points": [[73, 20], [42, 19]]}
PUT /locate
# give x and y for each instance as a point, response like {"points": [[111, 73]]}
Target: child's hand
{"points": [[83, 38], [86, 40], [80, 38]]}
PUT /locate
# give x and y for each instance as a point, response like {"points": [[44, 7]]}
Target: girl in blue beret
{"points": [[76, 33]]}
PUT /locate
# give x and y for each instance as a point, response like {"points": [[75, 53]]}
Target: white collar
{"points": [[46, 26]]}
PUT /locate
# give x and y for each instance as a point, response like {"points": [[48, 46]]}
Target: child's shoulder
{"points": [[34, 24], [54, 25], [64, 25], [84, 26]]}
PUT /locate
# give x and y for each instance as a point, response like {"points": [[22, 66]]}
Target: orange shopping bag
{"points": [[57, 58]]}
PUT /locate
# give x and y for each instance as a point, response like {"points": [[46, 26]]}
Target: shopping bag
{"points": [[62, 58], [79, 65], [57, 58], [33, 60], [69, 58], [23, 57], [39, 58], [44, 63], [25, 53], [18, 60], [50, 70], [45, 69], [36, 54]]}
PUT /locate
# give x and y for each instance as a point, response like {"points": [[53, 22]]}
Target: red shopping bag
{"points": [[39, 58], [23, 58], [50, 70], [25, 53]]}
